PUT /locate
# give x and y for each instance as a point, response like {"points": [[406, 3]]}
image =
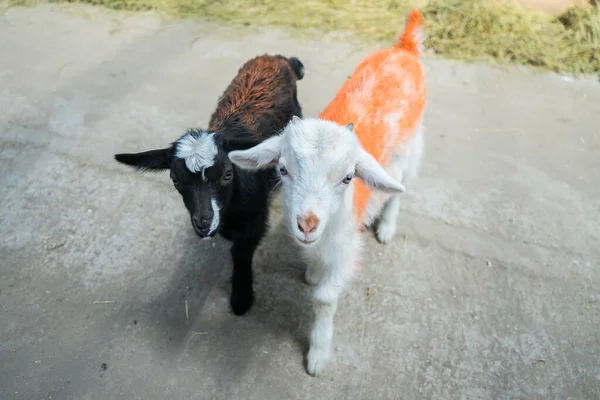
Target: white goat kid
{"points": [[317, 161]]}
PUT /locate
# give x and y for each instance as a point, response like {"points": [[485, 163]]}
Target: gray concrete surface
{"points": [[491, 290]]}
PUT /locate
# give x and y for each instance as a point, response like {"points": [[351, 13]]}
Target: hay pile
{"points": [[473, 30], [462, 29]]}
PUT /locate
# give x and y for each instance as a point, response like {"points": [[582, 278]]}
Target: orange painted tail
{"points": [[414, 33]]}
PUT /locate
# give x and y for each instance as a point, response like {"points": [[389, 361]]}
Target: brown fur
{"points": [[258, 98]]}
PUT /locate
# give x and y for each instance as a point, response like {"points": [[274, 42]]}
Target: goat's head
{"points": [[200, 171], [317, 162]]}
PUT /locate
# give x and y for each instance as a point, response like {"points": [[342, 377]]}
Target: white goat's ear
{"points": [[373, 174], [258, 157], [296, 118]]}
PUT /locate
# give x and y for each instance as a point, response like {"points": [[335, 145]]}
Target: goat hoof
{"points": [[241, 302], [386, 232], [312, 277], [316, 361]]}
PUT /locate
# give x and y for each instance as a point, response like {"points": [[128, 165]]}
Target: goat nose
{"points": [[308, 224], [201, 223]]}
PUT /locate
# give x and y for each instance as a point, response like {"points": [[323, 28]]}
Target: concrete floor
{"points": [[491, 290]]}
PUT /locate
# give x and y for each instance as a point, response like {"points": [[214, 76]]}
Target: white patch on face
{"points": [[215, 221], [198, 151]]}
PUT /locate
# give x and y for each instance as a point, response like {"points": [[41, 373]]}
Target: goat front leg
{"points": [[325, 300], [242, 293]]}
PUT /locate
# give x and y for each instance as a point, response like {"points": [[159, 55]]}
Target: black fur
{"points": [[297, 66], [244, 199]]}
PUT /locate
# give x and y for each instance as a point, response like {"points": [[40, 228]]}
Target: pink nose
{"points": [[308, 224]]}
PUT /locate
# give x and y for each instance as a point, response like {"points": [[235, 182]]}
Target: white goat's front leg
{"points": [[386, 229], [313, 273], [325, 300], [321, 337]]}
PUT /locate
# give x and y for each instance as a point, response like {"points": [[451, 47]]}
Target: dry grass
{"points": [[472, 30], [462, 29]]}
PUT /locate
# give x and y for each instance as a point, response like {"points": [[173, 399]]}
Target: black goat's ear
{"points": [[153, 160], [239, 144]]}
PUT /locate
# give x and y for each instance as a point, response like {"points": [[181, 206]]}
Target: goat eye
{"points": [[228, 175], [348, 178], [282, 170]]}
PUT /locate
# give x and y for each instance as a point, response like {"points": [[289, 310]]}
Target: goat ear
{"points": [[260, 156], [373, 174], [153, 160]]}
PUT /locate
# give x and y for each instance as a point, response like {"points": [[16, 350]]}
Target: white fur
{"points": [[419, 37], [313, 273], [317, 155], [403, 167], [214, 224], [261, 156], [198, 151], [387, 222]]}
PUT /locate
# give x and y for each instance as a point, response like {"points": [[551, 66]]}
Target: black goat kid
{"points": [[221, 198]]}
